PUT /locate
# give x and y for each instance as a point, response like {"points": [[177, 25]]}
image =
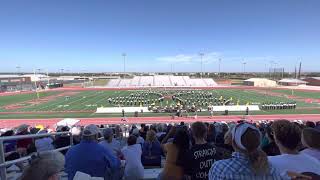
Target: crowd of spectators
{"points": [[236, 150]]}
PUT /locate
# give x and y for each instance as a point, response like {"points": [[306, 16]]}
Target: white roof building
{"points": [[260, 82]]}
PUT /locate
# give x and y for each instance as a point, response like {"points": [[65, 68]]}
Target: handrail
{"points": [[3, 163], [7, 138], [8, 163]]}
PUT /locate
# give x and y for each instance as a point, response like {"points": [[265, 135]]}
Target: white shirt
{"points": [[134, 168], [114, 146], [44, 144], [298, 163]]}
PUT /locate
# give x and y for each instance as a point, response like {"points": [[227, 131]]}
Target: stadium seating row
{"points": [[162, 81]]}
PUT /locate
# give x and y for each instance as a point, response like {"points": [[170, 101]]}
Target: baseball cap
{"points": [[107, 132], [135, 131], [90, 130]]}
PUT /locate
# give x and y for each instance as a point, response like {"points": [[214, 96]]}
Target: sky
{"points": [[159, 35]]}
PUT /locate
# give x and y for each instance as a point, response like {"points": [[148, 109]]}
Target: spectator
{"points": [[44, 166], [118, 133], [111, 143], [211, 136], [287, 136], [201, 155], [151, 150], [248, 161], [310, 124], [23, 145], [220, 136], [175, 154], [136, 133], [62, 140], [90, 157], [132, 154], [44, 143], [142, 131], [311, 140], [160, 132], [9, 145], [271, 149]]}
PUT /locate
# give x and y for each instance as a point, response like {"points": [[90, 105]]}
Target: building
{"points": [[260, 82], [36, 77], [312, 81], [291, 82], [15, 83]]}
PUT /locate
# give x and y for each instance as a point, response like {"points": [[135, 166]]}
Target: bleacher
{"points": [[162, 81], [8, 169]]}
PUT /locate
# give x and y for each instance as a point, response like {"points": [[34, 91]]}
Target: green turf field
{"points": [[69, 102]]}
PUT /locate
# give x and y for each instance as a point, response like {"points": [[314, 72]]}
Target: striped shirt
{"points": [[238, 168]]}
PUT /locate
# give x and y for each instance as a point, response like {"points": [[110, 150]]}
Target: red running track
{"points": [[8, 123]]}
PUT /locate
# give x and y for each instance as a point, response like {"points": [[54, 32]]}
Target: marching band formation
{"points": [[185, 100]]}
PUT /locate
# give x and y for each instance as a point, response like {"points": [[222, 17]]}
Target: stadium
{"points": [[164, 96]]}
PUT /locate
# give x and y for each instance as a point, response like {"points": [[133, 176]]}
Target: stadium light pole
{"points": [[201, 54], [124, 62], [244, 69], [18, 69], [219, 68]]}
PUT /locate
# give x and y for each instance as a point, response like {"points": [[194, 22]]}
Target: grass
{"points": [[90, 100], [12, 99], [304, 94]]}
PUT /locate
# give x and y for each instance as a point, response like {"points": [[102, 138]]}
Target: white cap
{"points": [[239, 130]]}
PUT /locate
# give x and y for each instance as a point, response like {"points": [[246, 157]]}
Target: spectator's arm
{"points": [[170, 134]]}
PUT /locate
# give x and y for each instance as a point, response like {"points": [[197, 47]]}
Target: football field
{"points": [[83, 103]]}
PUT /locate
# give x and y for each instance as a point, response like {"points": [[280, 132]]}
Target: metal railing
{"points": [[4, 164]]}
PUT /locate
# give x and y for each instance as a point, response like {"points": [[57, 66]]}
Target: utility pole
{"points": [[201, 54]]}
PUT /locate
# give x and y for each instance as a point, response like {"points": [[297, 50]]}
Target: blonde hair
{"points": [[151, 136]]}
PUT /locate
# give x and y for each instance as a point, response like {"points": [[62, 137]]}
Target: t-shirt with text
{"points": [[200, 159]]}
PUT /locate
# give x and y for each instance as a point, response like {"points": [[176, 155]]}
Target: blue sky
{"points": [[82, 35]]}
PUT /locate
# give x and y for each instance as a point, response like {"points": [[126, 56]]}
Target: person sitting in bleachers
{"points": [[24, 145], [176, 153], [90, 157], [44, 143], [142, 131], [110, 142], [271, 149], [132, 154], [248, 161], [201, 155], [151, 150], [287, 136], [136, 133], [311, 140], [62, 140], [44, 166]]}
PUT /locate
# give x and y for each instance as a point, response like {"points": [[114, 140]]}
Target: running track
{"points": [[8, 123]]}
